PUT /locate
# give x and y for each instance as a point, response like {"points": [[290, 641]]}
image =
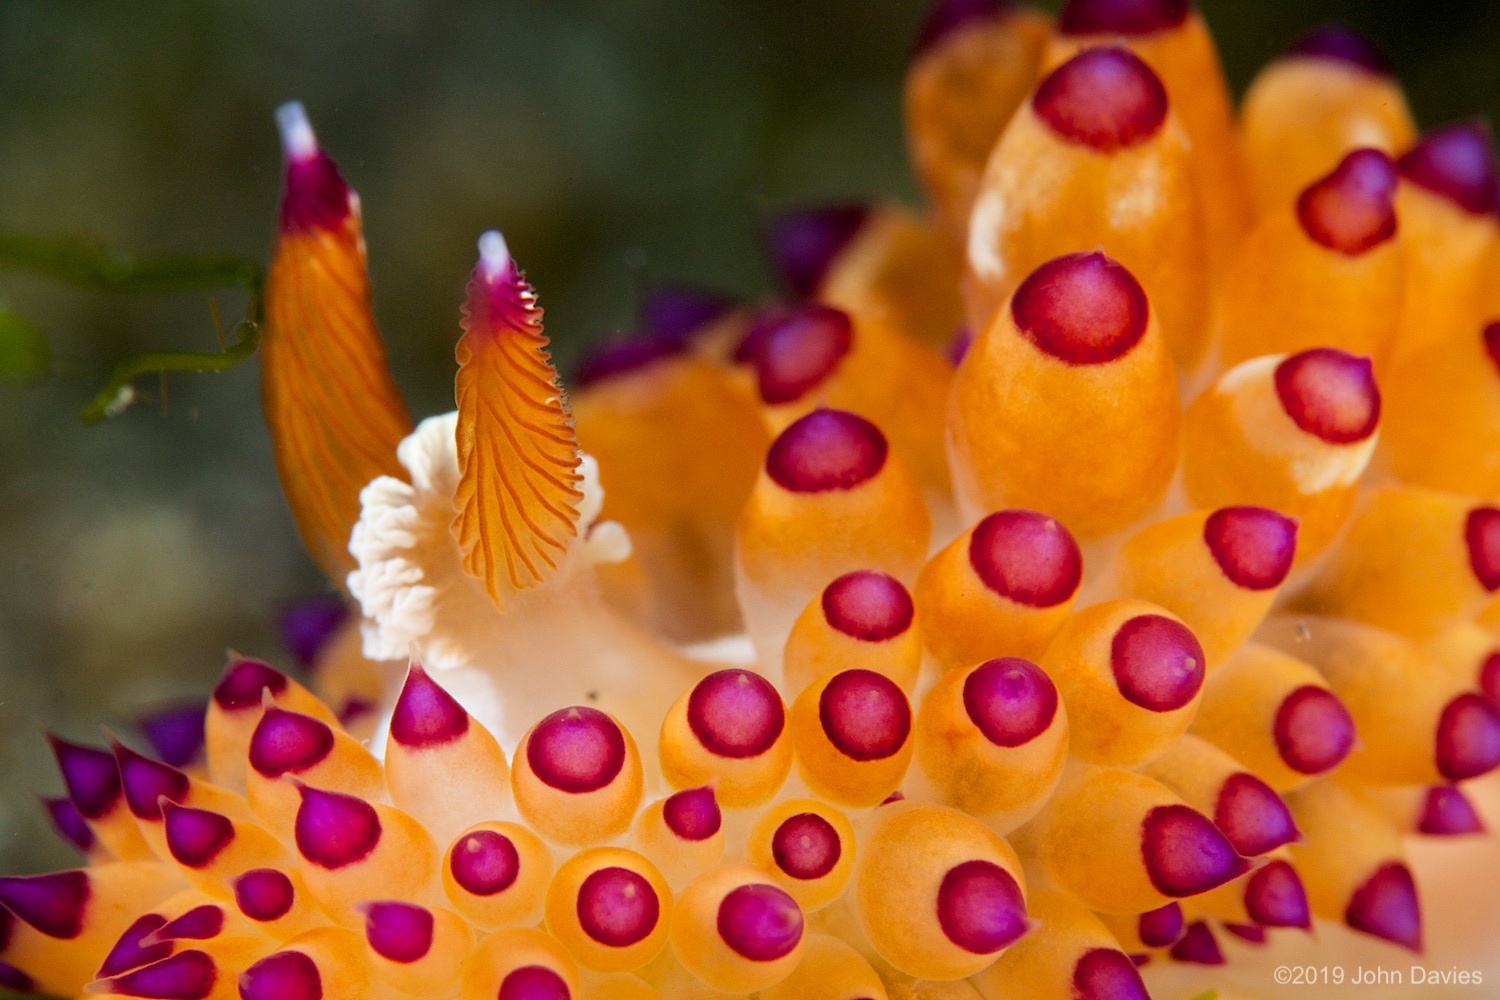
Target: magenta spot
{"points": [[264, 894], [576, 750], [676, 312], [868, 605], [288, 743], [736, 714], [1140, 959], [1386, 906], [621, 357], [1011, 701], [196, 836], [958, 347], [897, 796], [1026, 557], [1253, 546], [55, 904], [1482, 534], [306, 625], [69, 823], [1313, 730], [1353, 209], [425, 714], [1161, 926], [799, 349], [1456, 162], [1489, 677], [804, 243], [760, 922], [175, 733], [1252, 815], [13, 978], [243, 681], [759, 327], [1081, 308], [1157, 663], [146, 782], [1274, 897], [533, 982], [1249, 933], [1197, 946], [129, 953], [1106, 99], [1491, 335], [198, 924], [1468, 738], [315, 196], [399, 932], [1107, 974], [806, 846], [693, 814], [826, 450], [335, 830], [286, 975], [980, 907], [1185, 854], [1342, 43], [948, 17], [92, 776], [1330, 394], [354, 708], [485, 862], [864, 715], [188, 975], [617, 907], [1447, 812], [1120, 17]]}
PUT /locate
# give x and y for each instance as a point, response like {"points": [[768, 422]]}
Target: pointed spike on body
{"points": [[91, 777], [610, 908], [212, 850], [804, 243], [186, 975], [72, 827], [1447, 812], [175, 732], [807, 847], [416, 950], [735, 931], [864, 618], [1245, 809], [1198, 946], [729, 731], [327, 963], [577, 777], [677, 312], [682, 835], [1069, 952], [307, 626], [353, 850], [520, 964], [234, 711], [289, 747]]}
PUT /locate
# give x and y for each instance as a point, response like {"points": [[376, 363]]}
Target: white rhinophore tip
{"points": [[494, 255], [296, 131]]}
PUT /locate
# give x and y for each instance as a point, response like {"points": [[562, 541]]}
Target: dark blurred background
{"points": [[615, 142]]}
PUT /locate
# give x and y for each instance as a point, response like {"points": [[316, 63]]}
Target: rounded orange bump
{"points": [[729, 732], [829, 970], [807, 847], [518, 964], [1070, 953], [212, 850], [735, 931], [682, 834], [234, 712], [288, 747], [609, 908], [863, 619], [1244, 808], [852, 733], [353, 851], [417, 950], [496, 874], [577, 777]]}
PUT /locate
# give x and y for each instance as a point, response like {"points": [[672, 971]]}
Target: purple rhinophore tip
{"points": [[1252, 815], [1457, 162], [1330, 394], [286, 975], [806, 846], [760, 922], [1121, 17], [13, 978], [315, 195], [187, 975], [92, 776], [950, 16], [1482, 535], [1386, 906], [1106, 99], [1197, 946], [676, 312], [798, 349], [305, 625], [1468, 738], [868, 605], [620, 356], [1107, 974], [146, 782], [1342, 43], [1185, 854], [69, 823], [980, 907], [198, 924], [736, 713], [1249, 933], [175, 733], [426, 715], [1353, 209], [196, 836], [1491, 335], [958, 347], [617, 907], [534, 982], [1026, 557], [1081, 308], [264, 894], [334, 830], [1253, 546], [1313, 730], [826, 450], [1157, 663], [865, 715], [576, 750], [1274, 896], [1447, 812], [288, 743], [485, 862], [1012, 701], [54, 904], [693, 814], [399, 932], [243, 681], [1161, 926], [803, 243], [129, 953]]}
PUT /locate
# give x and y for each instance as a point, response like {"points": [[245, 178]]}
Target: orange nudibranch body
{"points": [[1070, 952]]}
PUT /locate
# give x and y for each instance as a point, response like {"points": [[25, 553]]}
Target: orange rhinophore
{"points": [[334, 413], [1330, 93], [862, 619], [1080, 329], [1070, 953], [1100, 130], [1324, 270]]}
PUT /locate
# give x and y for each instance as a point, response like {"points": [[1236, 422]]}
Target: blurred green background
{"points": [[615, 142]]}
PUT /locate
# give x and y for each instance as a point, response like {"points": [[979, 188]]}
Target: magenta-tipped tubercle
{"points": [[198, 924], [622, 356], [1468, 737], [139, 945], [1386, 906], [1197, 946], [187, 975], [264, 894], [54, 904], [693, 814], [760, 922], [1157, 663], [533, 982], [948, 17], [1353, 209], [1107, 974], [1447, 812], [980, 907], [1026, 557], [146, 782], [806, 846], [1275, 897], [306, 626], [175, 732], [1253, 816], [1105, 98], [1185, 854], [1121, 17], [1160, 927], [286, 975], [1330, 394], [826, 450], [1081, 308], [1482, 535], [1341, 43], [1313, 730], [797, 350], [425, 715], [195, 836], [617, 907], [243, 681], [91, 776], [868, 605], [288, 743], [864, 714], [576, 750], [1010, 700], [676, 312], [1253, 546], [1456, 162], [736, 713], [398, 931], [334, 830], [803, 243], [69, 823], [485, 862]]}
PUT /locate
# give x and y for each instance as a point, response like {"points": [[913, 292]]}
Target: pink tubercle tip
{"points": [[1121, 17], [1010, 700], [736, 713], [306, 626], [1249, 933], [1254, 818], [397, 931], [198, 924], [980, 907], [1489, 677], [13, 978], [288, 743], [1386, 906], [958, 347], [1456, 162], [315, 194], [91, 776], [1343, 44], [131, 950], [693, 814], [1106, 99], [286, 975], [243, 681], [799, 349], [1313, 730], [1447, 812], [1468, 738], [1491, 335], [54, 904], [1107, 974], [760, 922], [426, 715], [334, 830], [803, 243], [195, 836], [485, 862], [1026, 557], [1081, 308], [868, 605], [1197, 946], [175, 732], [1253, 546], [146, 782], [617, 907], [264, 894], [806, 846], [1353, 209], [865, 715], [69, 823], [675, 312], [1185, 854], [622, 356], [948, 17], [1274, 896], [576, 750], [533, 982], [826, 450], [1482, 534], [1157, 663], [1330, 394], [1161, 926], [187, 975]]}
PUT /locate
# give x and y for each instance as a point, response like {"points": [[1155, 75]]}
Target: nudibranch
{"points": [[1084, 587]]}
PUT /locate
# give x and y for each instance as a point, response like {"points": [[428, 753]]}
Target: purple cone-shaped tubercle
{"points": [[198, 924], [1107, 974], [1185, 854], [806, 846], [1161, 926], [69, 823], [621, 356], [1252, 546], [288, 743], [1081, 308], [92, 776], [980, 907], [1456, 162], [398, 931], [307, 625], [1447, 812], [1468, 737], [1121, 17], [196, 836], [55, 904], [426, 715], [693, 814], [187, 975], [760, 922], [176, 732], [1386, 906], [485, 862], [1026, 557], [1274, 896], [803, 243], [1010, 700], [264, 894], [130, 951], [1106, 99], [1482, 534], [1252, 815], [334, 830], [676, 312], [1330, 394], [736, 713], [1353, 209], [1198, 946], [146, 782], [1313, 730], [868, 605], [243, 681], [797, 351], [1157, 663], [286, 975], [1341, 43], [576, 750], [533, 982], [865, 715]]}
